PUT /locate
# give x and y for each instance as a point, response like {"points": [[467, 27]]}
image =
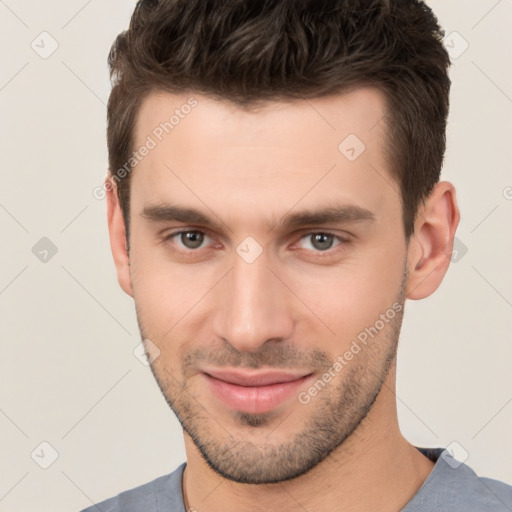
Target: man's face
{"points": [[250, 293]]}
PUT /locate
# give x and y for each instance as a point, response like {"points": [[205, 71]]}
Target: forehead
{"points": [[275, 153], [356, 111]]}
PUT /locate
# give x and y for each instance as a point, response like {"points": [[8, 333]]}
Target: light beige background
{"points": [[67, 369]]}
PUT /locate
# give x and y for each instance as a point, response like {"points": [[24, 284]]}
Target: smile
{"points": [[254, 393]]}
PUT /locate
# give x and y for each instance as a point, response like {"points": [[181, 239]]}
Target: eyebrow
{"points": [[329, 215]]}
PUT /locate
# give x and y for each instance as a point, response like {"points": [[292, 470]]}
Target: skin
{"points": [[298, 306]]}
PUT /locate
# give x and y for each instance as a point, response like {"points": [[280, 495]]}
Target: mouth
{"points": [[254, 392]]}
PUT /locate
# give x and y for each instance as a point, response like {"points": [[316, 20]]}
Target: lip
{"points": [[254, 392]]}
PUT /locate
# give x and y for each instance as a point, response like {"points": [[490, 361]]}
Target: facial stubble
{"points": [[334, 414]]}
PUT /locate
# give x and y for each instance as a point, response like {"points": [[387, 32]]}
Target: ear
{"points": [[431, 245], [117, 233]]}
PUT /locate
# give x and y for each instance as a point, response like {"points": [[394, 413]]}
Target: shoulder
{"points": [[473, 493], [160, 494], [454, 486], [498, 492]]}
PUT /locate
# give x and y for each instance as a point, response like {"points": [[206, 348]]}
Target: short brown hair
{"points": [[247, 51]]}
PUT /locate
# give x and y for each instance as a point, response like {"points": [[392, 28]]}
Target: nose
{"points": [[253, 306]]}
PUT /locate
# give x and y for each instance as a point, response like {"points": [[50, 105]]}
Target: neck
{"points": [[374, 469]]}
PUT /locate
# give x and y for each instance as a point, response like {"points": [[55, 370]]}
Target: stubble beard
{"points": [[335, 413]]}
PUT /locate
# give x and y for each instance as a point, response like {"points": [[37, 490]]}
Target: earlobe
{"points": [[431, 245], [117, 233]]}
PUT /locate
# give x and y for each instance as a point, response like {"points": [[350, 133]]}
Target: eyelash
{"points": [[328, 252]]}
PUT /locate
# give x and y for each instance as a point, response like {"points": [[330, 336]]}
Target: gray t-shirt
{"points": [[450, 487]]}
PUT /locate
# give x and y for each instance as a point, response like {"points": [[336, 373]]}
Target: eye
{"points": [[189, 239], [192, 239], [320, 241]]}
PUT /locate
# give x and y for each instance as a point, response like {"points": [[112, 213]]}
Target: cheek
{"points": [[176, 301], [352, 296], [168, 295]]}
